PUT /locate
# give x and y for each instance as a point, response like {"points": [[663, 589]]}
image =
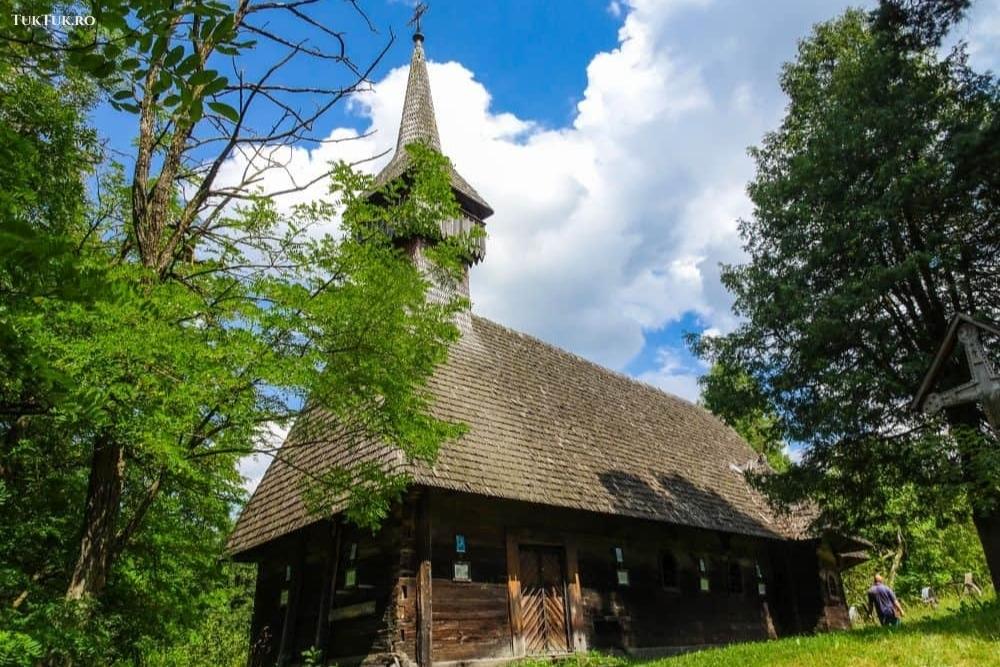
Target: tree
{"points": [[875, 220], [162, 318], [736, 399]]}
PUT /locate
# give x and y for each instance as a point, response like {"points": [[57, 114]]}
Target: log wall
{"points": [[375, 594]]}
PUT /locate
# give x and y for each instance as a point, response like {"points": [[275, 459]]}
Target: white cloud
{"points": [[252, 467], [981, 30], [673, 376], [613, 226]]}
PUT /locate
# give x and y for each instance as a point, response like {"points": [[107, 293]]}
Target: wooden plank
{"points": [[331, 562], [577, 622], [286, 648], [353, 611], [514, 595], [425, 605]]}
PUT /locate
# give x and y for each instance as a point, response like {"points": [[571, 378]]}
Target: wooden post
{"points": [[332, 561], [258, 622], [577, 630], [514, 595], [425, 606], [292, 610]]}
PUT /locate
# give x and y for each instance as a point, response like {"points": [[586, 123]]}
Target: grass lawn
{"points": [[951, 637]]}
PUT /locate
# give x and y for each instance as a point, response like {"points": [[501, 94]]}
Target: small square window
{"points": [[462, 571], [704, 584], [623, 578]]}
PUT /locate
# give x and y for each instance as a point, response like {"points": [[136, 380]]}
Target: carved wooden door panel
{"points": [[543, 600]]}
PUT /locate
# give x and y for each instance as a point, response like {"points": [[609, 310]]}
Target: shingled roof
{"points": [[419, 124], [546, 426]]}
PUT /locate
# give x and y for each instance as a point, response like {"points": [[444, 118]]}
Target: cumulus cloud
{"points": [[605, 229], [614, 226], [673, 375]]}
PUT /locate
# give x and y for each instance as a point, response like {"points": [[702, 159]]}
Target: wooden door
{"points": [[543, 600]]}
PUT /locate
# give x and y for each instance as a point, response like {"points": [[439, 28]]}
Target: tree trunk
{"points": [[97, 543], [897, 558], [988, 527], [985, 512]]}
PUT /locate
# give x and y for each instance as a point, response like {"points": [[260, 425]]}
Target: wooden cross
{"points": [[418, 13], [984, 387]]}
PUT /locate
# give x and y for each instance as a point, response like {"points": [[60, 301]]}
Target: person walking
{"points": [[882, 601]]}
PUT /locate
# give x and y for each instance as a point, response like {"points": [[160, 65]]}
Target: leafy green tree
{"points": [[875, 220], [735, 397], [158, 319]]}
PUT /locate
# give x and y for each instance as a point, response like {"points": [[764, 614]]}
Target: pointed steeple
{"points": [[418, 123]]}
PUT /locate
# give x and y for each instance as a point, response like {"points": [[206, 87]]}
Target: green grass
{"points": [[953, 636]]}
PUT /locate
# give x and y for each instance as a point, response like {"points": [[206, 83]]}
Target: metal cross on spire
{"points": [[418, 13]]}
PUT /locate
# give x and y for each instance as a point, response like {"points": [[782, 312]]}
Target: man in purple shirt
{"points": [[882, 601]]}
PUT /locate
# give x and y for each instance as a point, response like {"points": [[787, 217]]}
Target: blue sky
{"points": [[610, 137]]}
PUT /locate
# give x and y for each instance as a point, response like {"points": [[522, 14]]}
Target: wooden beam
{"points": [[286, 647], [514, 595], [425, 605], [331, 563]]}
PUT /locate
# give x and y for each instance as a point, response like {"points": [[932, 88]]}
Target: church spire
{"points": [[418, 123]]}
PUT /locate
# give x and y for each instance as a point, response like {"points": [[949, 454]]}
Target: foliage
{"points": [[219, 636], [931, 551], [875, 220], [18, 649], [736, 399], [155, 324]]}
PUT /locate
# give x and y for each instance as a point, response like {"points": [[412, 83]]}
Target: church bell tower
{"points": [[419, 124]]}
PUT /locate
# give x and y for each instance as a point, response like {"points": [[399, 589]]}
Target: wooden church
{"points": [[582, 510]]}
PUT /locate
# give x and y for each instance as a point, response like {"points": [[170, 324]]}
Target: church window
{"points": [[832, 589], [735, 578], [351, 571], [668, 571], [622, 576]]}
